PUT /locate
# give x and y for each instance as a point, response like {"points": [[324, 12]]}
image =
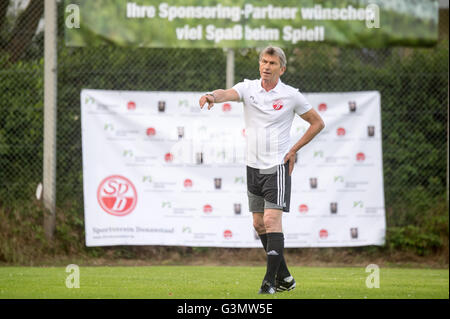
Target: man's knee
{"points": [[258, 223], [269, 221]]}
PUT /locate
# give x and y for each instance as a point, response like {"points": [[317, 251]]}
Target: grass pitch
{"points": [[201, 282]]}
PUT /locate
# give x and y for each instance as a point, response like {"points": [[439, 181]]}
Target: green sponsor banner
{"points": [[251, 23]]}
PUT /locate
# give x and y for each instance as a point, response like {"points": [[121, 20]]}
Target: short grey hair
{"points": [[270, 50]]}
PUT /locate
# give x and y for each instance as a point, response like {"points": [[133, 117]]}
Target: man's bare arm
{"points": [[219, 96]]}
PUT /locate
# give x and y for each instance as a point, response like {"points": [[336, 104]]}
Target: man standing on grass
{"points": [[269, 109]]}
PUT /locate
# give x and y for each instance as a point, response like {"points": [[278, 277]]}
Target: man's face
{"points": [[270, 68]]}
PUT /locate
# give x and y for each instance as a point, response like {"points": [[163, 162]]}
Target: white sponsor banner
{"points": [[158, 170]]}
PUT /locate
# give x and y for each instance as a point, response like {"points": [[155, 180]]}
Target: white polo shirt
{"points": [[268, 120]]}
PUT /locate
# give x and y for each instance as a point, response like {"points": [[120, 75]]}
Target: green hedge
{"points": [[21, 129]]}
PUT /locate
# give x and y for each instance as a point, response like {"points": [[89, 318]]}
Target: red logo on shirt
{"points": [[278, 105]]}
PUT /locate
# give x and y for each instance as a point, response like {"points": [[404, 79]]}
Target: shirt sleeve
{"points": [[240, 88], [301, 104]]}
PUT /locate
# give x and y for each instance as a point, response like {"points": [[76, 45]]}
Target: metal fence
{"points": [[413, 83]]}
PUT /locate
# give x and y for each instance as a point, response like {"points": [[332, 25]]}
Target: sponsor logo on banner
{"points": [[186, 230], [89, 100], [122, 132], [180, 131], [127, 153], [186, 104], [221, 155], [322, 107], [371, 131], [217, 183], [187, 183], [360, 157], [358, 204], [334, 160], [131, 106], [199, 158], [99, 106], [237, 208], [226, 107], [323, 234], [151, 131], [340, 131], [318, 154], [227, 234], [147, 178], [352, 106], [303, 208], [350, 185], [313, 182], [339, 179], [161, 106], [333, 208], [277, 105], [183, 103], [207, 209], [354, 232], [108, 127], [117, 195], [168, 157]]}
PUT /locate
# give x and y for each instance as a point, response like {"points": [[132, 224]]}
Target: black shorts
{"points": [[269, 188]]}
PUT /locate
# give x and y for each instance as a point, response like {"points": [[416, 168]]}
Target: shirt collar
{"points": [[276, 89]]}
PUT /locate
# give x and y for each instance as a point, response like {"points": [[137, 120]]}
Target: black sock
{"points": [[275, 245], [263, 238], [283, 271]]}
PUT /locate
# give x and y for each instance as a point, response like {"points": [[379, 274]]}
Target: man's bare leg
{"points": [[258, 224]]}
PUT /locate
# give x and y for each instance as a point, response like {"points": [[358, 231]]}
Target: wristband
{"points": [[212, 94]]}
